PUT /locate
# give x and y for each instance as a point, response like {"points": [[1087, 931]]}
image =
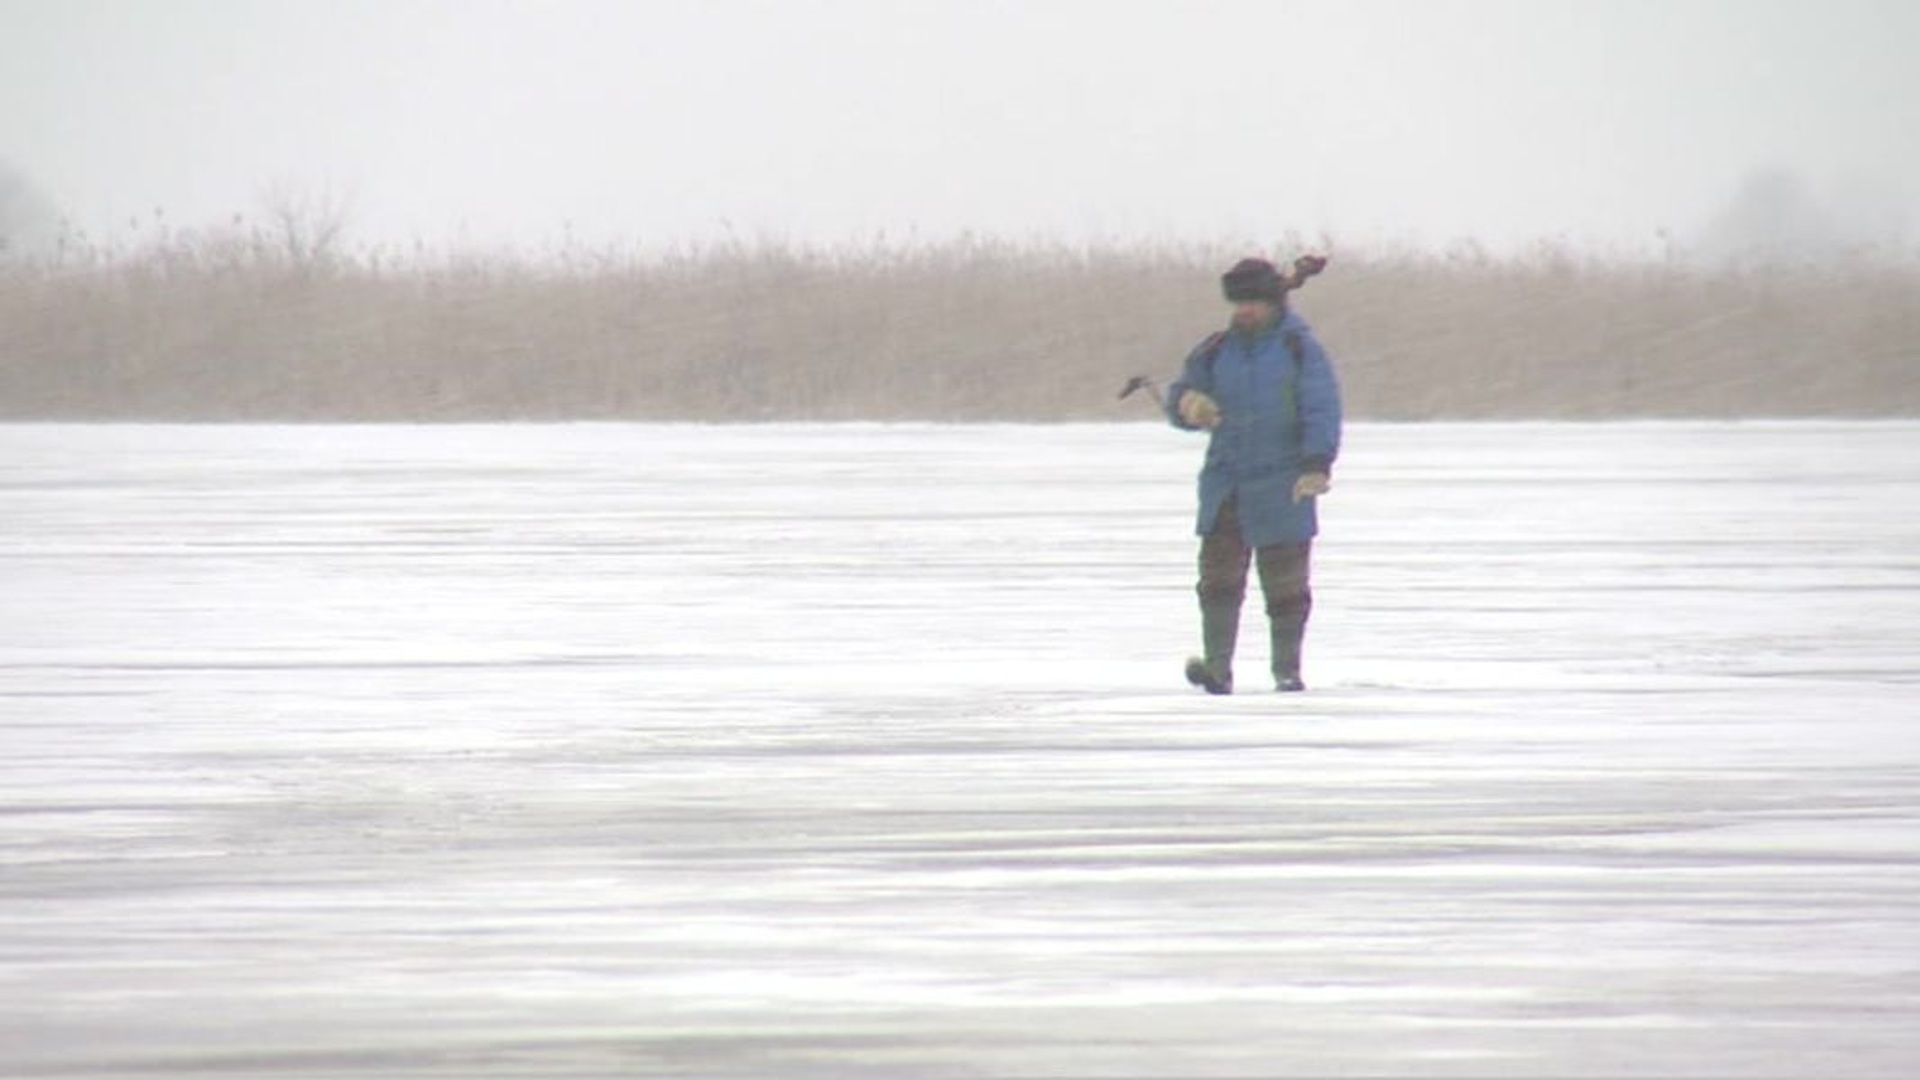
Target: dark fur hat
{"points": [[1253, 279]]}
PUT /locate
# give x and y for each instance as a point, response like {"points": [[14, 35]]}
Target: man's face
{"points": [[1253, 314]]}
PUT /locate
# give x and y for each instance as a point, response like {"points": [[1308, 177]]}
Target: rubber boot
{"points": [[1219, 630], [1286, 638]]}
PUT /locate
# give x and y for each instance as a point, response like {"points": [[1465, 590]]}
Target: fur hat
{"points": [[1253, 279]]}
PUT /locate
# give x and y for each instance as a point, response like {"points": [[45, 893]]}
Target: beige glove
{"points": [[1199, 410], [1311, 485]]}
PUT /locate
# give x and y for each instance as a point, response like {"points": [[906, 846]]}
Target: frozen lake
{"points": [[622, 750]]}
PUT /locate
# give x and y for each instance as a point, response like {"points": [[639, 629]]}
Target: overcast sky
{"points": [[489, 122]]}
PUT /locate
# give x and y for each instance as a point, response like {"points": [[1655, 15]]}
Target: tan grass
{"points": [[235, 327]]}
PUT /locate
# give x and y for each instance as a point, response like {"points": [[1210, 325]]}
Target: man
{"points": [[1266, 392]]}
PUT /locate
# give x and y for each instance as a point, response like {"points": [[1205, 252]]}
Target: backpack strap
{"points": [[1210, 349]]}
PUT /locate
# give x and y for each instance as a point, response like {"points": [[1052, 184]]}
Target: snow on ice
{"points": [[849, 750]]}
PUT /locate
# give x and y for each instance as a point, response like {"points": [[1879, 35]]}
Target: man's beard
{"points": [[1249, 322]]}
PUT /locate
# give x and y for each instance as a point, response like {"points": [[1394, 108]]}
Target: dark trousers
{"points": [[1284, 570]]}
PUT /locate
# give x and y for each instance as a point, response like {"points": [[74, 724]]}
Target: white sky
{"points": [[490, 122]]}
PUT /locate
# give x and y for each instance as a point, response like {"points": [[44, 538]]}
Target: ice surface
{"points": [[788, 750]]}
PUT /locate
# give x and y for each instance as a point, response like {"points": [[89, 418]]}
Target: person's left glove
{"points": [[1311, 485]]}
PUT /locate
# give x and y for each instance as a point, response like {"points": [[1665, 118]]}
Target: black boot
{"points": [[1286, 636], [1219, 630]]}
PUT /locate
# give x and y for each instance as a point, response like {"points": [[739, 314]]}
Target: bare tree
{"points": [[27, 218], [305, 225], [1772, 219]]}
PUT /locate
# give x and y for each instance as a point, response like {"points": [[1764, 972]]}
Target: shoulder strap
{"points": [[1210, 349]]}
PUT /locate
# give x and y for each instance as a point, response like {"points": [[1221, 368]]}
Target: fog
{"points": [[1622, 127], [671, 743]]}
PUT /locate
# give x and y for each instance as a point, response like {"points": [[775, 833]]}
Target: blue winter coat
{"points": [[1279, 417]]}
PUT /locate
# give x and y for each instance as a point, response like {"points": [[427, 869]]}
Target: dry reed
{"points": [[241, 326]]}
